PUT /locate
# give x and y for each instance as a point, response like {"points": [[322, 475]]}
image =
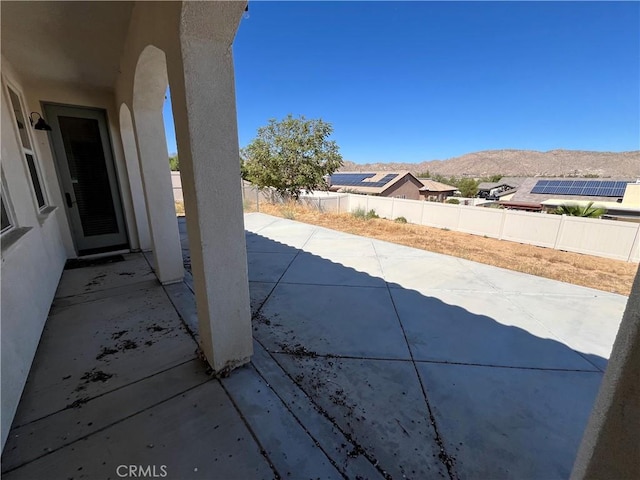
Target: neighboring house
{"points": [[620, 198], [627, 209], [540, 189], [496, 190], [94, 177], [384, 184], [435, 191], [511, 205]]}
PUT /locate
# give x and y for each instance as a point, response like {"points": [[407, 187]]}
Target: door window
{"points": [[89, 176]]}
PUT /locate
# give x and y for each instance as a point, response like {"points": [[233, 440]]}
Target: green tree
{"points": [[174, 163], [468, 187], [291, 155], [446, 180], [587, 210]]}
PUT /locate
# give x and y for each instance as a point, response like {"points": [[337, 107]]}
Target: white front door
{"points": [[88, 178]]}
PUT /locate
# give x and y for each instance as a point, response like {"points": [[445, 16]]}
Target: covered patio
{"points": [[363, 368], [331, 355]]}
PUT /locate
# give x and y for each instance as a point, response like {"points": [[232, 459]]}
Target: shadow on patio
{"points": [[371, 360]]}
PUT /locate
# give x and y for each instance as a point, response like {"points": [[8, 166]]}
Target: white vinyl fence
{"points": [[603, 238]]}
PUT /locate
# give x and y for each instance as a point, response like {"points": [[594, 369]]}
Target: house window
{"points": [[6, 220], [27, 150], [5, 210]]}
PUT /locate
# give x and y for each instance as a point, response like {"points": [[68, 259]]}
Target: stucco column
{"points": [[202, 86], [135, 179], [158, 192], [611, 443]]}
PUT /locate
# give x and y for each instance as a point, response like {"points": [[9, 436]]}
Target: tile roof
{"points": [[433, 186], [367, 182]]}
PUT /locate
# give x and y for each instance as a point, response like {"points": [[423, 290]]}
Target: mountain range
{"points": [[527, 163]]}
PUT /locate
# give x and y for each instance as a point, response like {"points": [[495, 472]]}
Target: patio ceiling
{"points": [[65, 42]]}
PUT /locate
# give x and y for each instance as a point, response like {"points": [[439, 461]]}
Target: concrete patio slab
{"points": [[371, 361], [505, 423], [424, 274], [384, 249], [576, 326], [330, 320], [268, 267], [288, 446], [483, 328], [210, 439], [259, 291], [292, 235], [379, 404], [259, 244], [132, 270], [88, 349], [333, 442], [48, 434], [519, 392], [253, 223], [347, 271], [330, 248]]}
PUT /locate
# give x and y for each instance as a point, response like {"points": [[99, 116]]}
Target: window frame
{"points": [[27, 151], [8, 207]]}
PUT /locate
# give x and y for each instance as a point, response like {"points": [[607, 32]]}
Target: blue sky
{"points": [[415, 81]]}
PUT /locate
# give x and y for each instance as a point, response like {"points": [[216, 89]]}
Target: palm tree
{"points": [[575, 210]]}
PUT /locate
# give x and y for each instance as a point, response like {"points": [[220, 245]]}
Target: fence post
{"points": [[560, 228], [258, 200], [393, 202], [502, 222], [634, 243]]}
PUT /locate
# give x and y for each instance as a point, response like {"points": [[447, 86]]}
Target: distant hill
{"points": [[527, 163]]}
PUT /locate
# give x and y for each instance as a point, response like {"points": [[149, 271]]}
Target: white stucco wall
{"points": [[32, 265]]}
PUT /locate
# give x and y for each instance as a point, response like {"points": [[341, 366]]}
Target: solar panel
{"points": [[358, 179], [382, 182], [584, 188], [349, 179]]}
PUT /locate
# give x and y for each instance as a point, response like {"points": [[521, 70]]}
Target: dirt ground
{"points": [[595, 272]]}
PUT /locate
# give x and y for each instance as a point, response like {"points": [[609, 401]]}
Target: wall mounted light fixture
{"points": [[40, 123]]}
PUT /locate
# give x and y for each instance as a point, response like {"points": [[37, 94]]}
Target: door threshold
{"points": [[95, 256]]}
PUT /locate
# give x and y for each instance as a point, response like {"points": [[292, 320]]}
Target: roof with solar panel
{"points": [[541, 189], [373, 183]]}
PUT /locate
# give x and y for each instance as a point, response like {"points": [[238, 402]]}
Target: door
{"points": [[87, 177]]}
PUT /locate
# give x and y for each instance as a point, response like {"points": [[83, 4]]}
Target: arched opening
{"points": [[149, 88], [130, 148]]}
